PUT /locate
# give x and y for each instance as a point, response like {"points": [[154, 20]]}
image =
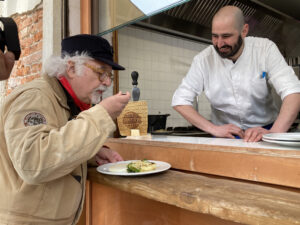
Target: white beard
{"points": [[96, 96]]}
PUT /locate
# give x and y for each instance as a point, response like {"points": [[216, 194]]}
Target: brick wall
{"points": [[29, 66]]}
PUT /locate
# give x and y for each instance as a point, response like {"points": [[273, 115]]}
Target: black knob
{"points": [[134, 76]]}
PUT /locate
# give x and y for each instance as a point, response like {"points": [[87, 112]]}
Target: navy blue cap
{"points": [[95, 46]]}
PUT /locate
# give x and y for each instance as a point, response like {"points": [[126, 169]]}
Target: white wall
{"points": [[74, 17], [11, 7], [52, 28], [2, 8], [162, 61]]}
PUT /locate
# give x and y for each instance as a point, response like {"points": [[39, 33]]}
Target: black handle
{"points": [[134, 76]]}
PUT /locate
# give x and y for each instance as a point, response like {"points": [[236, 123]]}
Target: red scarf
{"points": [[82, 106]]}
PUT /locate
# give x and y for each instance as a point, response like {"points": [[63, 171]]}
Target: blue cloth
{"points": [[269, 126]]}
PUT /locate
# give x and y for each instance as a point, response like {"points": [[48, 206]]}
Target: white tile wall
{"points": [[161, 61]]}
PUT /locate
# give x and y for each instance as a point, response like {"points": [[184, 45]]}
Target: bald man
{"points": [[236, 74]]}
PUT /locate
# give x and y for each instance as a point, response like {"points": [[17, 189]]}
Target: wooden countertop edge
{"points": [[234, 200], [207, 147]]}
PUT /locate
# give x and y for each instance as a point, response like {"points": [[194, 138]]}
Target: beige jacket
{"points": [[41, 154]]}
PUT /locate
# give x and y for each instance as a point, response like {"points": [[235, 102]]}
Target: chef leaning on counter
{"points": [[48, 132], [235, 73]]}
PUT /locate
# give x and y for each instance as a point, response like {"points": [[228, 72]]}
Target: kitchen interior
{"points": [[161, 48], [213, 181]]}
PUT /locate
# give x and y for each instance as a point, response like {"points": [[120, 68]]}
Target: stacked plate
{"points": [[287, 139]]}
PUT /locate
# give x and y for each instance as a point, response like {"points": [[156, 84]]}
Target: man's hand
{"points": [[115, 104], [227, 131], [7, 61], [106, 155], [255, 134]]}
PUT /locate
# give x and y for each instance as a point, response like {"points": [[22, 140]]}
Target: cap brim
{"points": [[114, 65]]}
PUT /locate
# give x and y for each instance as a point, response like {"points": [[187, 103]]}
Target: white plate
{"points": [[283, 137], [120, 168], [284, 143]]}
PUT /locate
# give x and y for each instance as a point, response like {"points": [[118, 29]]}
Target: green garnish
{"points": [[139, 166], [132, 169]]}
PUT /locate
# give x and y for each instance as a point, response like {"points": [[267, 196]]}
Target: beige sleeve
{"points": [[45, 152]]}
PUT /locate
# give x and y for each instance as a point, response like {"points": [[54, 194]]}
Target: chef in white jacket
{"points": [[236, 74]]}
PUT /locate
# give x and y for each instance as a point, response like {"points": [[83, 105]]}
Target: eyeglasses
{"points": [[102, 75]]}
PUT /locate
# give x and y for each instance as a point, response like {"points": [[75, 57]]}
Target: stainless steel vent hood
{"points": [[193, 20], [288, 7]]}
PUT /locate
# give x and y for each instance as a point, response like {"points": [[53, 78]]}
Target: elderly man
{"points": [[7, 61], [49, 131], [235, 74]]}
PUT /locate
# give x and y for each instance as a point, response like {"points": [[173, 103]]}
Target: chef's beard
{"points": [[96, 96], [234, 49]]}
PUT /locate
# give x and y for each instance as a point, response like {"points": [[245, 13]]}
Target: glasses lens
{"points": [[103, 75], [106, 75]]}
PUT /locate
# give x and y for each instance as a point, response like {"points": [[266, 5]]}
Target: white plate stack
{"points": [[286, 139]]}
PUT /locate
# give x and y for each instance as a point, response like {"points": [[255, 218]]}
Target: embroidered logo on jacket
{"points": [[34, 118]]}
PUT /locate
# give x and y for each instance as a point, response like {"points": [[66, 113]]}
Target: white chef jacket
{"points": [[239, 93]]}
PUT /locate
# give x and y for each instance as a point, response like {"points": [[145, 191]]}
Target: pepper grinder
{"points": [[135, 89]]}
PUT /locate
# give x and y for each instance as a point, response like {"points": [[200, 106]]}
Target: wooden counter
{"points": [[261, 161], [213, 181], [228, 199]]}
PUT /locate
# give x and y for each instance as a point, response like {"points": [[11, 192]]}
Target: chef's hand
{"points": [[7, 61], [227, 131], [115, 104], [106, 155], [255, 134]]}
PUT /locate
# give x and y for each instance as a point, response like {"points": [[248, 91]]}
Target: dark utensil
{"points": [[135, 89], [157, 122]]}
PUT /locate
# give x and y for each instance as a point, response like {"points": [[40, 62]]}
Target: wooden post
{"points": [[116, 59], [85, 17]]}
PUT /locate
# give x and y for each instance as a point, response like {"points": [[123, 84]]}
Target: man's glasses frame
{"points": [[102, 74]]}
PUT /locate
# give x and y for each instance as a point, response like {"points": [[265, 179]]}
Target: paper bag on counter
{"points": [[134, 116]]}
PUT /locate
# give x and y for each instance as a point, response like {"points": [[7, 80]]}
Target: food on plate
{"points": [[140, 166], [118, 168]]}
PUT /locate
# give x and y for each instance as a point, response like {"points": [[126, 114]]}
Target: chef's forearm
{"points": [[192, 116], [288, 113]]}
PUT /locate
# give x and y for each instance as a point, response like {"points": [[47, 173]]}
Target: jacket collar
{"points": [[58, 90]]}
